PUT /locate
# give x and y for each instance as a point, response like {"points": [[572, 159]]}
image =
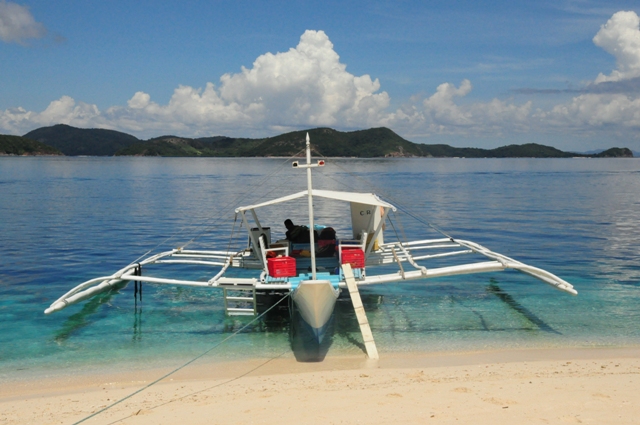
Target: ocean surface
{"points": [[66, 220]]}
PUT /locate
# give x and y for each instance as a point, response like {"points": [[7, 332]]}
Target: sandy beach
{"points": [[595, 385]]}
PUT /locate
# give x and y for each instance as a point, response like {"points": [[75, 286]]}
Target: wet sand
{"points": [[591, 385]]}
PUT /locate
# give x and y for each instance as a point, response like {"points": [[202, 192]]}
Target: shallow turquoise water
{"points": [[65, 220]]}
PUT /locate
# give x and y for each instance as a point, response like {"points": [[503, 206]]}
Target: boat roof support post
{"points": [[372, 220], [255, 218], [378, 229], [254, 242]]}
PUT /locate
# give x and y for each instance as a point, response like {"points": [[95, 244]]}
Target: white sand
{"points": [[598, 386]]}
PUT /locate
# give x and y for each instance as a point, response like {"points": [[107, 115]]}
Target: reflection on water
{"points": [[306, 344], [494, 289], [79, 320], [137, 323], [70, 219]]}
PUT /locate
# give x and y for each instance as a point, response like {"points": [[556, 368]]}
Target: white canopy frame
{"points": [[362, 198], [351, 197]]}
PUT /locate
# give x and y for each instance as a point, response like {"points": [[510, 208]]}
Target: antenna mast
{"points": [[312, 238]]}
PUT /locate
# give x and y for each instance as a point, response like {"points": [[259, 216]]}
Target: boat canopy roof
{"points": [[353, 197]]}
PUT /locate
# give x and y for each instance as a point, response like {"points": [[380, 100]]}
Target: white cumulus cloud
{"points": [[306, 86], [440, 114], [590, 112], [620, 37], [617, 111], [62, 111], [441, 107], [17, 24]]}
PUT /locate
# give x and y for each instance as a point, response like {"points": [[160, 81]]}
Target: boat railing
{"points": [[408, 252], [204, 258]]}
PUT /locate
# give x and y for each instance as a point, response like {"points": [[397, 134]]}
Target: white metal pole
{"points": [[312, 241]]}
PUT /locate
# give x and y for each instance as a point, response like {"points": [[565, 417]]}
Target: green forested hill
{"points": [[181, 146], [615, 153], [82, 141], [375, 142], [529, 150], [371, 143], [16, 145]]}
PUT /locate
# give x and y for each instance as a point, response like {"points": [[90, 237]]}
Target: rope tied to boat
{"points": [[383, 193]]}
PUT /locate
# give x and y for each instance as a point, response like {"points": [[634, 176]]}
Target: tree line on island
{"points": [[62, 139]]}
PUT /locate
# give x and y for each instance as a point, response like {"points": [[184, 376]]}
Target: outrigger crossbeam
{"points": [[399, 253]]}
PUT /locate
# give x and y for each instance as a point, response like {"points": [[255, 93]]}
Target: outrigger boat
{"points": [[313, 279]]}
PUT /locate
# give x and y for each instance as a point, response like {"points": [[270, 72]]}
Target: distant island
{"points": [[372, 143], [22, 146]]}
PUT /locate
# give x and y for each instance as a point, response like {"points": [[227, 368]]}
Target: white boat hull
{"points": [[315, 300]]}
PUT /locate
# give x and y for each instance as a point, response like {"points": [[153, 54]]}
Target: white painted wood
{"points": [[367, 335]]}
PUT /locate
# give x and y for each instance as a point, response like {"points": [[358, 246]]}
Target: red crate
{"points": [[353, 256], [282, 267]]}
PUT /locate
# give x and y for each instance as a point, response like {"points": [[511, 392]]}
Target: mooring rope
{"points": [[383, 193], [211, 224], [205, 389], [218, 212], [237, 199], [185, 364]]}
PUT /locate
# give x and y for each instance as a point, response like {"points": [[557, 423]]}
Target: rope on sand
{"points": [[186, 364]]}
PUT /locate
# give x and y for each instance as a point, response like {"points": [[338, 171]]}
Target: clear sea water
{"points": [[65, 220]]}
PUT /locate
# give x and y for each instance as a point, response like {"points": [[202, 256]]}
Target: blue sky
{"points": [[466, 73]]}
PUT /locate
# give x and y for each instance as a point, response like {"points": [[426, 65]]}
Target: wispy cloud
{"points": [[629, 86], [17, 25]]}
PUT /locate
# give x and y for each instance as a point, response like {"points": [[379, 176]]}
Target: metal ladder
{"points": [[238, 301]]}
